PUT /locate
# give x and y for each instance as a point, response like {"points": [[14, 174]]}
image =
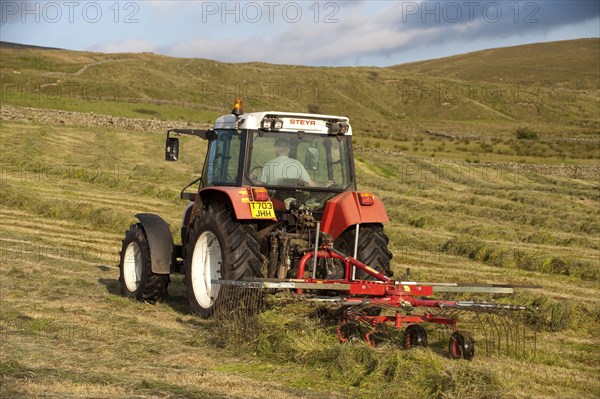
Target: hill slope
{"points": [[572, 64], [490, 92]]}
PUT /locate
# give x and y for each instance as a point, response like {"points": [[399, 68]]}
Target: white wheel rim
{"points": [[132, 266], [206, 266]]}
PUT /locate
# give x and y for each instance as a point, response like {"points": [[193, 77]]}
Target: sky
{"points": [[318, 33]]}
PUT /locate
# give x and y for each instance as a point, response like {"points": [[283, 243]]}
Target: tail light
{"points": [[366, 199], [260, 194]]}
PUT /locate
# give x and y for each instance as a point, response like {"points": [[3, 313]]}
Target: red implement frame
{"points": [[371, 306], [385, 293]]}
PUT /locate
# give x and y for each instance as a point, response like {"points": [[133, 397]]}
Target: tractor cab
{"points": [[297, 157]]}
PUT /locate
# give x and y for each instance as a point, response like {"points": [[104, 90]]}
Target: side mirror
{"points": [[311, 159], [172, 149]]}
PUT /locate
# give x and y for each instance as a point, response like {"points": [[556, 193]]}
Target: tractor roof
{"points": [[292, 121]]}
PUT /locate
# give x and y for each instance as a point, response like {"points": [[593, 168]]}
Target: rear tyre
{"points": [[461, 346], [372, 248], [220, 247], [135, 266]]}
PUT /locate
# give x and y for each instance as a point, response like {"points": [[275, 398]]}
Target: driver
{"points": [[283, 167]]}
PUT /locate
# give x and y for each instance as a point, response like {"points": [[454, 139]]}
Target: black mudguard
{"points": [[160, 242]]}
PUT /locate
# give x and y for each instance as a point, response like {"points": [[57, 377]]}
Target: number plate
{"points": [[262, 210]]}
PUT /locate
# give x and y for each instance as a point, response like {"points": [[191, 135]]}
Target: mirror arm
{"points": [[203, 134], [181, 194]]}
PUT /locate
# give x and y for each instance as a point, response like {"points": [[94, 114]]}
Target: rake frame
{"points": [[387, 302]]}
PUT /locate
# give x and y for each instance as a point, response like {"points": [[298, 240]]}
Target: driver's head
{"points": [[282, 146]]}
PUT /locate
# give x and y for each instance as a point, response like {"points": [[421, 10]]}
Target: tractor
{"points": [[274, 186]]}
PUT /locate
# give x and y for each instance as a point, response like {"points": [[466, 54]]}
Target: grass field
{"points": [[488, 206]]}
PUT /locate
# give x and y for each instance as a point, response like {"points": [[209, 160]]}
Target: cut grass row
{"points": [[61, 231]]}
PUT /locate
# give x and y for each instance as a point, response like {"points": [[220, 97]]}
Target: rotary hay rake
{"points": [[383, 310]]}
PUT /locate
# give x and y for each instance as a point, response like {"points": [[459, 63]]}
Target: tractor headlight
{"points": [[277, 124], [271, 123], [344, 127], [266, 123], [338, 128]]}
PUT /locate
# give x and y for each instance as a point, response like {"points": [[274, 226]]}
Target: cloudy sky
{"points": [[310, 32]]}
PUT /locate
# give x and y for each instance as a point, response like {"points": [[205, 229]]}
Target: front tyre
{"points": [[220, 247], [135, 267]]}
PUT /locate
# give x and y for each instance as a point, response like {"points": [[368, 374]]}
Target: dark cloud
{"points": [[489, 18]]}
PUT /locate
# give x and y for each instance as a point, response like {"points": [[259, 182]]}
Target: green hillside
{"points": [[551, 87], [478, 191], [569, 64]]}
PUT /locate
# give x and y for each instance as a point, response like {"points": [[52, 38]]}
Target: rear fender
{"points": [[238, 197], [160, 242], [344, 211]]}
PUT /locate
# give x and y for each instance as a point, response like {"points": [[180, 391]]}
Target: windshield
{"points": [[285, 160]]}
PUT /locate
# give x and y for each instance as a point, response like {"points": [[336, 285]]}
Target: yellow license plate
{"points": [[262, 210]]}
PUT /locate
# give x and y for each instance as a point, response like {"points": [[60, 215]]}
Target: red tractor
{"points": [[273, 186]]}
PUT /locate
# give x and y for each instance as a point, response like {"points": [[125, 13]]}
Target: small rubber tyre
{"points": [[414, 336], [350, 332], [220, 247], [461, 346], [372, 248], [378, 338], [135, 269]]}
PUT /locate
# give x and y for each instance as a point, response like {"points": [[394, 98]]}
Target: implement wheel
{"points": [[461, 346], [414, 335], [350, 332]]}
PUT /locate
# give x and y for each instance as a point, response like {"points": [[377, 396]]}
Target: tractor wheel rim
{"points": [[132, 266], [206, 266]]}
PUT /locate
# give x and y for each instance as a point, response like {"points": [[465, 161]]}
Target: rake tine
{"points": [[512, 336], [504, 323], [521, 335], [495, 331], [518, 322], [484, 330], [524, 335]]}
